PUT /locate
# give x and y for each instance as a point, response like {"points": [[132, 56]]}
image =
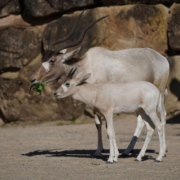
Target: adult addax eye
{"points": [[67, 84], [51, 61]]}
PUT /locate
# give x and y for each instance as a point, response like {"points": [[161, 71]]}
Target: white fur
{"points": [[64, 87], [46, 66]]}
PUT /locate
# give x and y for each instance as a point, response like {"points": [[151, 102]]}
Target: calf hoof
{"points": [[109, 162], [158, 161], [164, 155]]}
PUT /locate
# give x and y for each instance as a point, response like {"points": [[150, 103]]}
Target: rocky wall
{"points": [[26, 29]]}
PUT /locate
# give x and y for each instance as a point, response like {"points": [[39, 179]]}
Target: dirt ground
{"points": [[50, 151]]}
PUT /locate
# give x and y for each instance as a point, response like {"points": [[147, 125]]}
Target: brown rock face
{"points": [[174, 27], [19, 45], [127, 27], [43, 8], [9, 7]]}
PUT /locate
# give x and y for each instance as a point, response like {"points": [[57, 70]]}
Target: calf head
{"points": [[71, 85]]}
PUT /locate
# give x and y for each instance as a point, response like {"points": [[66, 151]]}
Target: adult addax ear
{"points": [[83, 79], [70, 55]]}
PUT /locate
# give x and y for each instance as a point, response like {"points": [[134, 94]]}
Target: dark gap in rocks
{"points": [[3, 117], [170, 51], [35, 21], [54, 16], [21, 4], [10, 69]]}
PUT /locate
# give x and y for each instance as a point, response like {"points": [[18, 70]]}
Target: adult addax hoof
{"points": [[109, 162]]}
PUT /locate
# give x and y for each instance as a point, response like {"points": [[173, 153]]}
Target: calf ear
{"points": [[83, 79], [70, 55]]}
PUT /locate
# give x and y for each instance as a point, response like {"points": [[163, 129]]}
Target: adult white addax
{"points": [[138, 64], [107, 98]]}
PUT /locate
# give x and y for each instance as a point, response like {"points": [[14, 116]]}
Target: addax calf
{"points": [[107, 98]]}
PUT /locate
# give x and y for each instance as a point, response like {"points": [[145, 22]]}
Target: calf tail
{"points": [[161, 110], [165, 94]]}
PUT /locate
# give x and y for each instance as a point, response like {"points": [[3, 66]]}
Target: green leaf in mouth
{"points": [[38, 87]]}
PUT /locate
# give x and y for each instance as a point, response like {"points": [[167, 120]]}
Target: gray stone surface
{"points": [[174, 27], [47, 7], [121, 2], [19, 45], [9, 7]]}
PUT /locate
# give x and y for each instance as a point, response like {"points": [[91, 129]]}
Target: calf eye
{"points": [[67, 84], [51, 61]]}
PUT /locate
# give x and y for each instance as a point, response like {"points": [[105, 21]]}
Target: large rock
{"points": [[173, 98], [120, 2], [19, 45], [174, 27], [9, 7], [41, 8], [127, 26]]}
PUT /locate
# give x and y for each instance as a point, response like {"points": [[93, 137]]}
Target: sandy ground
{"points": [[47, 151]]}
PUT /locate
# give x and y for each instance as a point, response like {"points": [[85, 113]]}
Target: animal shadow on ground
{"points": [[84, 153]]}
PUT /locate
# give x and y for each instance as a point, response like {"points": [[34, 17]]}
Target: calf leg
{"points": [[163, 117], [139, 127], [114, 153], [99, 129], [159, 126], [150, 130]]}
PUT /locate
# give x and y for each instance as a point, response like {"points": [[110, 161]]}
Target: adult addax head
{"points": [[52, 67]]}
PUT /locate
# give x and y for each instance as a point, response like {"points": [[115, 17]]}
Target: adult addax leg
{"points": [[99, 129], [139, 127]]}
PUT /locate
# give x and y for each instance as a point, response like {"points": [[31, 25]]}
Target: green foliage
{"points": [[73, 118], [172, 114], [102, 119], [39, 87], [95, 164], [60, 124]]}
